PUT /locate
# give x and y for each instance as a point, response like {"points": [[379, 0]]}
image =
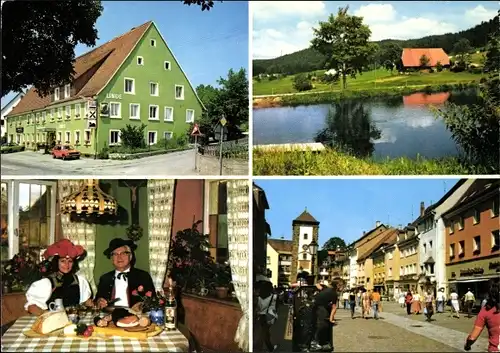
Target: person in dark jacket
{"points": [[125, 278]]}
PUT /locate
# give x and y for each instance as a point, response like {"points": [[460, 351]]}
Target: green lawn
{"points": [[375, 79], [332, 162]]}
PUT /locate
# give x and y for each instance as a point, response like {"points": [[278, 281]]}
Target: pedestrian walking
{"points": [[401, 299], [365, 302], [359, 297], [408, 300], [345, 299], [455, 307], [488, 317], [469, 300], [324, 308], [352, 302], [440, 299], [266, 310], [375, 301], [429, 308]]}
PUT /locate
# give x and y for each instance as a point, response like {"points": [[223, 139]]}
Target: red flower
{"points": [[149, 294], [162, 301], [43, 269], [140, 288], [134, 292]]}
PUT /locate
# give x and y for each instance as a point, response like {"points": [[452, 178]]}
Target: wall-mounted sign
{"points": [[114, 96], [19, 130], [494, 265], [472, 271]]}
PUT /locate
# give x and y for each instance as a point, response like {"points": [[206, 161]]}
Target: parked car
{"points": [[65, 152]]}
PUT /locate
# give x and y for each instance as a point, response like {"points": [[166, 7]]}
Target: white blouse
{"points": [[40, 291], [269, 302]]}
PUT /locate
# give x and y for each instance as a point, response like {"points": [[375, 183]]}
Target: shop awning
{"points": [[469, 280]]}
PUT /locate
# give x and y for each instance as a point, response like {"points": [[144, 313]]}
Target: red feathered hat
{"points": [[64, 248]]}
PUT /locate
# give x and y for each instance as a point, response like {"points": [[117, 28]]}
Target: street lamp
{"points": [[313, 250]]}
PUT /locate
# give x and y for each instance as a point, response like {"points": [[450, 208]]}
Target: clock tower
{"points": [[305, 229]]}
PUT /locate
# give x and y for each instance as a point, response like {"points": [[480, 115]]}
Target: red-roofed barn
{"points": [[411, 57]]}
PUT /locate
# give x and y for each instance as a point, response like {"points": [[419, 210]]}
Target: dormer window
{"points": [[67, 91], [56, 94], [153, 42]]}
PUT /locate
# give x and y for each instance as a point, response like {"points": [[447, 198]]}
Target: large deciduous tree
{"points": [[343, 39], [476, 128], [333, 243], [39, 39], [205, 4], [230, 100]]}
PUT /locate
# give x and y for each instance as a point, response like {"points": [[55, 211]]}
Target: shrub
{"points": [[272, 78], [439, 66], [133, 136], [104, 153], [302, 83]]}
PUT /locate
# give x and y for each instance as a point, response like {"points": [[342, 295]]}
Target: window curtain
{"points": [[78, 232], [237, 225], [161, 197]]}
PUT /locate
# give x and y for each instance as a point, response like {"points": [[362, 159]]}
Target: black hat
{"points": [[118, 243]]}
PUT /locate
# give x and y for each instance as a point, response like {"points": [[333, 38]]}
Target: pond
{"points": [[379, 127]]}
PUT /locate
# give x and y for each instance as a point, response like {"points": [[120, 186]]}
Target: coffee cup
{"points": [[56, 305]]}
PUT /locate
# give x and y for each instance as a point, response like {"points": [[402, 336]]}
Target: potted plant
{"points": [[190, 261], [20, 271], [152, 303], [222, 280]]}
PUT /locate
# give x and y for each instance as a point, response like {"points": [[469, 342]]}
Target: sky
{"points": [[281, 28], [206, 43], [347, 207]]}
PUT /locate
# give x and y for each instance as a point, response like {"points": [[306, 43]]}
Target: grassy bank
{"points": [[376, 79], [331, 162], [334, 96]]}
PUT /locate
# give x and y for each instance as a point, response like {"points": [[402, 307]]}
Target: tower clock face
{"points": [[305, 247]]}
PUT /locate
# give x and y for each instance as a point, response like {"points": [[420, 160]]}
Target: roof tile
{"points": [[113, 53]]}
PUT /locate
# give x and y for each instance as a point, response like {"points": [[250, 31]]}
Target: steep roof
{"points": [[428, 211], [305, 217], [280, 245], [411, 56], [13, 101], [479, 188], [110, 56], [387, 237]]}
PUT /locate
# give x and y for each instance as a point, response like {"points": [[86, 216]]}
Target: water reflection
{"points": [[378, 127], [350, 128], [426, 99]]}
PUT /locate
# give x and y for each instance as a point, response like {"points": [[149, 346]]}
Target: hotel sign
{"points": [[114, 96], [19, 130]]}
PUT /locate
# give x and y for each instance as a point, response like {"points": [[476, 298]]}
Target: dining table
{"points": [[15, 340]]}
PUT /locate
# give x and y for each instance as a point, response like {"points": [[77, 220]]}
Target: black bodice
{"points": [[65, 287]]}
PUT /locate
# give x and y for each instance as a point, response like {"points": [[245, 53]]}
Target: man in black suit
{"points": [[124, 279]]}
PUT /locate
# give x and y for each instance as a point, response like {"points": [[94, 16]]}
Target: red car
{"points": [[65, 152]]}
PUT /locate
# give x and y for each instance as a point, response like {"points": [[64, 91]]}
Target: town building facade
{"points": [[407, 242], [133, 79], [279, 261], [261, 229], [472, 238], [305, 229]]}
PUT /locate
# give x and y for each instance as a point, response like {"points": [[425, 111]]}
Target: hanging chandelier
{"points": [[90, 199]]}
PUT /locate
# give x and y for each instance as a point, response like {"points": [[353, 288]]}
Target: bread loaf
{"points": [[50, 321]]}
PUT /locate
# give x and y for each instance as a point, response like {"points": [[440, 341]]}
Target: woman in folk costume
{"points": [[125, 278], [61, 280]]}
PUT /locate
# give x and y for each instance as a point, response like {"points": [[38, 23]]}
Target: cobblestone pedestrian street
{"points": [[394, 332]]}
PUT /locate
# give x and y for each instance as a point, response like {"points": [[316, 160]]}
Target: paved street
{"points": [[31, 163], [392, 333]]}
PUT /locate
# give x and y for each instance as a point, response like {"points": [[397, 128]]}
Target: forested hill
{"points": [[310, 60]]}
